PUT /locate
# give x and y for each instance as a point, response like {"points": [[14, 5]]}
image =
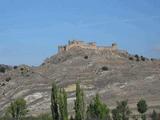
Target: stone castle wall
{"points": [[81, 44]]}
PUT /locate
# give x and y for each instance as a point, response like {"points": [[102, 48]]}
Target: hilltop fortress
{"points": [[81, 44]]}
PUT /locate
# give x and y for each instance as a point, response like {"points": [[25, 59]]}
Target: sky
{"points": [[31, 30]]}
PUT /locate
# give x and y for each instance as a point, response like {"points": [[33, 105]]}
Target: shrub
{"points": [[115, 114], [17, 109], [122, 111], [3, 84], [154, 115], [86, 57], [153, 59], [43, 64], [97, 110], [21, 69], [105, 68], [8, 79], [131, 58], [142, 108], [135, 117], [137, 57], [2, 70], [15, 67], [143, 58]]}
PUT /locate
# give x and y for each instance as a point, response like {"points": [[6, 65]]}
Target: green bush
{"points": [[86, 57], [131, 58], [105, 68], [137, 57], [15, 67], [122, 111], [143, 58], [142, 108], [97, 110], [2, 84], [2, 69], [8, 79], [17, 109], [154, 115]]}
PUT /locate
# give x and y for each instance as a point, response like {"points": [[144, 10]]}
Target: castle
{"points": [[81, 44]]}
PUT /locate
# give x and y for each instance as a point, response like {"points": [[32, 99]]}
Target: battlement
{"points": [[82, 44]]}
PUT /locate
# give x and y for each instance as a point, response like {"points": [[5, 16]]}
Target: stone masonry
{"points": [[81, 44]]}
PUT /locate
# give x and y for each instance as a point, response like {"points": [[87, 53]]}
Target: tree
{"points": [[116, 115], [54, 102], [63, 105], [2, 69], [142, 108], [154, 115], [122, 111], [17, 109], [59, 103], [79, 103], [71, 118], [97, 110]]}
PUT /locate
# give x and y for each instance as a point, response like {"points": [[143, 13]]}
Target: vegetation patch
{"points": [[8, 79], [131, 58], [15, 67], [105, 68], [2, 69], [86, 57]]}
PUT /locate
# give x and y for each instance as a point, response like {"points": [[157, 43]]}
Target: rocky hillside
{"points": [[114, 74]]}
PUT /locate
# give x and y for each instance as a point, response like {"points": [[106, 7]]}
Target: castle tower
{"points": [[62, 48], [92, 45], [114, 46]]}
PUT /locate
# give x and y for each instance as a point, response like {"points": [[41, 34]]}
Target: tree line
{"points": [[96, 110]]}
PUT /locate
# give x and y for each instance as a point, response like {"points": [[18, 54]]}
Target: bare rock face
{"points": [[114, 74]]}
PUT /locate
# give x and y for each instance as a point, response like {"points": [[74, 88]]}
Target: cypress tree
{"points": [[58, 103], [54, 102], [63, 105], [71, 118], [79, 103], [154, 115]]}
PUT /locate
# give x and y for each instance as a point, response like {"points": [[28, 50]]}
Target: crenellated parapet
{"points": [[81, 44]]}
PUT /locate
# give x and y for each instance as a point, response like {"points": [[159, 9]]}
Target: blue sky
{"points": [[31, 30]]}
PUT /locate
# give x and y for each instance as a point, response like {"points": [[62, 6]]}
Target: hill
{"points": [[114, 74]]}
